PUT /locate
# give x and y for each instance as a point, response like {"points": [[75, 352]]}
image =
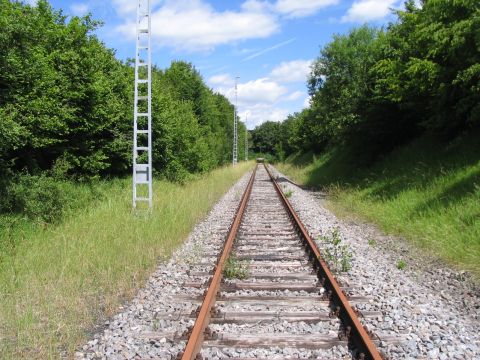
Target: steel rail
{"points": [[357, 333], [196, 337]]}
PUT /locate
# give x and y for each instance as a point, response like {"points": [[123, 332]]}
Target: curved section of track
{"points": [[286, 299]]}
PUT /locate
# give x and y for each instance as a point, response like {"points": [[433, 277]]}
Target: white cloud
{"points": [[125, 7], [301, 8], [32, 2], [294, 96], [256, 5], [291, 71], [79, 9], [128, 8], [261, 90], [367, 10], [221, 80], [259, 113], [193, 25], [260, 98]]}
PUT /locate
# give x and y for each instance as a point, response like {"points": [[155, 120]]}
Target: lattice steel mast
{"points": [[142, 112], [235, 127], [246, 137]]}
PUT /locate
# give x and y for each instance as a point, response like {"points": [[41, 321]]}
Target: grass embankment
{"points": [[59, 281], [426, 191]]}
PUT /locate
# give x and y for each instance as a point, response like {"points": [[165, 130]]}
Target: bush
{"points": [[4, 185], [40, 198], [175, 172]]}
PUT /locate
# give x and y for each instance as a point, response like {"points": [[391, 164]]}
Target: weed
{"points": [[195, 254], [288, 193], [372, 242], [401, 264], [337, 255], [235, 269], [238, 195]]}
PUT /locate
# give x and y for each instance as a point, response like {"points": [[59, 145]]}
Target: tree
{"points": [[66, 103]]}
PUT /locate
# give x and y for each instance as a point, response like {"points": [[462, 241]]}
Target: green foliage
{"points": [[271, 138], [265, 137], [235, 269], [339, 83], [337, 255], [66, 106], [288, 193], [64, 91], [401, 264], [394, 121], [268, 158], [426, 191], [38, 197], [47, 199], [380, 88]]}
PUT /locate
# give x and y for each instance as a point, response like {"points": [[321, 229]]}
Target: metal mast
{"points": [[142, 112], [246, 137], [235, 123]]}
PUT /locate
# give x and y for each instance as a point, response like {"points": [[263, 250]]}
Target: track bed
{"points": [[272, 297]]}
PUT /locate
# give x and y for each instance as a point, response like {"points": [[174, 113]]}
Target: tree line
{"points": [[66, 105], [66, 109], [378, 88]]}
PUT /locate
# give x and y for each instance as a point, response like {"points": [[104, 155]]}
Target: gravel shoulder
{"points": [[429, 311]]}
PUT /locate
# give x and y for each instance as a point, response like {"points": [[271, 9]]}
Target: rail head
{"points": [[360, 337], [195, 339]]}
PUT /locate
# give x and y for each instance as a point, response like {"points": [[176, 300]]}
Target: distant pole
{"points": [[235, 125], [246, 137]]}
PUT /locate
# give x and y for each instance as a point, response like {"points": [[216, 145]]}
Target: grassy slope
{"points": [[62, 279], [425, 191]]}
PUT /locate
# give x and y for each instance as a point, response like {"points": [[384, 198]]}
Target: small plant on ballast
{"points": [[237, 195], [155, 325], [195, 254], [401, 264], [235, 268], [337, 255], [288, 193]]}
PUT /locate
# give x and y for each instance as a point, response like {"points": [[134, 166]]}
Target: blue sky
{"points": [[269, 44]]}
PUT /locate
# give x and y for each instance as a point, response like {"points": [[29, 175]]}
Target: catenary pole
{"points": [[142, 111], [246, 136], [235, 125]]}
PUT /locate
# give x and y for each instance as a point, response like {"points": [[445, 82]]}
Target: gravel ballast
{"points": [[428, 310], [425, 311]]}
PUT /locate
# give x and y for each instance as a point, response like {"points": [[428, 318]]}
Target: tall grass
{"points": [[63, 279], [427, 191]]}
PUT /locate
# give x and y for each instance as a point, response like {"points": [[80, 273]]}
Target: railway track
{"points": [[271, 289]]}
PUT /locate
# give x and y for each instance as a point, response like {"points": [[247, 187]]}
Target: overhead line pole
{"points": [[142, 112], [235, 126], [246, 136]]}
